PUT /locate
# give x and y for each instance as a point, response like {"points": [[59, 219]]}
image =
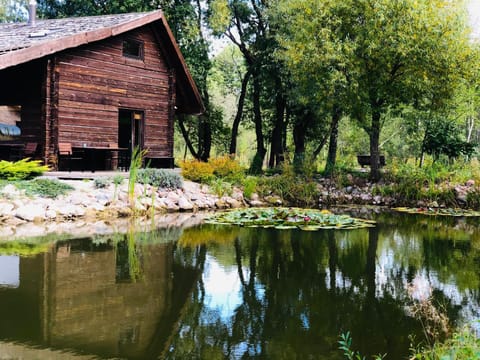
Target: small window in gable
{"points": [[133, 49]]}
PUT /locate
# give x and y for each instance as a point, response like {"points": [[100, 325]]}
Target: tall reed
{"points": [[135, 164]]}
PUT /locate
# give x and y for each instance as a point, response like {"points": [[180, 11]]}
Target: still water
{"points": [[220, 292]]}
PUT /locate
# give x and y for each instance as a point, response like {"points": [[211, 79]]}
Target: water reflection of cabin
{"points": [[95, 82], [76, 297]]}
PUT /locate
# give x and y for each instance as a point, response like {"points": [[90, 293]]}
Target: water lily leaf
{"points": [[285, 227], [438, 211], [288, 218]]}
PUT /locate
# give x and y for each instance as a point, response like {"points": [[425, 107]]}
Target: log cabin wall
{"points": [[96, 80]]}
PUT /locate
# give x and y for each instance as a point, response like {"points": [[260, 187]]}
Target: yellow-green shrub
{"points": [[223, 167], [226, 167], [198, 171], [22, 169]]}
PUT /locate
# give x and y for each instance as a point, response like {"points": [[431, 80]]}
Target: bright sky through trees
{"points": [[474, 11]]}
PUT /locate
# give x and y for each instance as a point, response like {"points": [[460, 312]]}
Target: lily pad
{"points": [[288, 218], [438, 211]]}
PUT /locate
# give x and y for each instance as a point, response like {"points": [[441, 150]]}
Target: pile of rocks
{"points": [[91, 205], [88, 202]]}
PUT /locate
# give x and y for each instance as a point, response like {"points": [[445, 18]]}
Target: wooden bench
{"points": [[364, 160]]}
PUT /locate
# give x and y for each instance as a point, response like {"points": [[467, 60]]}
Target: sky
{"points": [[474, 11]]}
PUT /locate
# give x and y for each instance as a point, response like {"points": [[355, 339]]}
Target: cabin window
{"points": [[133, 49]]}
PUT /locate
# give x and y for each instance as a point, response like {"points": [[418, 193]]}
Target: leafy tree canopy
{"points": [[375, 55]]}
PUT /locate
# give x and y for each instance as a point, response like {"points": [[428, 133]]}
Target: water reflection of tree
{"points": [[301, 290]]}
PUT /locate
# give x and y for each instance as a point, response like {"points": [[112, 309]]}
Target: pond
{"points": [[227, 292]]}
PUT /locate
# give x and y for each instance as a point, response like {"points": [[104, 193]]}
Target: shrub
{"points": [[118, 179], [473, 199], [249, 186], [45, 187], [160, 178], [101, 182], [297, 190], [21, 170], [463, 345], [221, 188], [197, 171], [226, 167]]}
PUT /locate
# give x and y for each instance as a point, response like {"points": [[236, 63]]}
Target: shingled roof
{"points": [[20, 43]]}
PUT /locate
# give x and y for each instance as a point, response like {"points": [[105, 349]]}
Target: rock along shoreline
{"points": [[89, 210]]}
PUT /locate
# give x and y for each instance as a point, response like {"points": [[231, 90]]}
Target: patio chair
{"points": [[30, 150], [65, 152]]}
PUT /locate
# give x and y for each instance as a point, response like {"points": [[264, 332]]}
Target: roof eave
{"points": [[199, 109], [49, 47]]}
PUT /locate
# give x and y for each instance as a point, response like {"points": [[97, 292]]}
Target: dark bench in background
{"points": [[364, 160]]}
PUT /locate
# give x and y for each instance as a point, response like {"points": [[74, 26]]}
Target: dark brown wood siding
{"points": [[96, 80]]}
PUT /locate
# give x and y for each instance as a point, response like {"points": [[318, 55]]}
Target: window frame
{"points": [[133, 42]]}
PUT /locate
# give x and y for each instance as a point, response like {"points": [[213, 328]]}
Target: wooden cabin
{"points": [[113, 81]]}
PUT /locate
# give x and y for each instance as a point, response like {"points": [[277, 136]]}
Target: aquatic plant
{"points": [[345, 344], [288, 218], [135, 164], [463, 345], [438, 211], [117, 181]]}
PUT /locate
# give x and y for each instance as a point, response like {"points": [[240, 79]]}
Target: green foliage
{"points": [[13, 11], [196, 170], [345, 344], [373, 57], [297, 190], [442, 137], [135, 164], [101, 182], [412, 183], [118, 179], [463, 345], [288, 218], [223, 167], [473, 199], [22, 169], [221, 188], [49, 188], [59, 8], [226, 167], [22, 248], [249, 186], [256, 165], [162, 178]]}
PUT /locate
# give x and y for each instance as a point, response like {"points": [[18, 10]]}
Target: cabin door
{"points": [[130, 129]]}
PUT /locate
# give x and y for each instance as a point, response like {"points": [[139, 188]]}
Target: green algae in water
{"points": [[288, 218]]}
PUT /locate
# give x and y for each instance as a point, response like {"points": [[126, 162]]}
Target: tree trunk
{"points": [[374, 146], [186, 137], [276, 155], [299, 141], [238, 116], [204, 138], [257, 163], [205, 130], [332, 145]]}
